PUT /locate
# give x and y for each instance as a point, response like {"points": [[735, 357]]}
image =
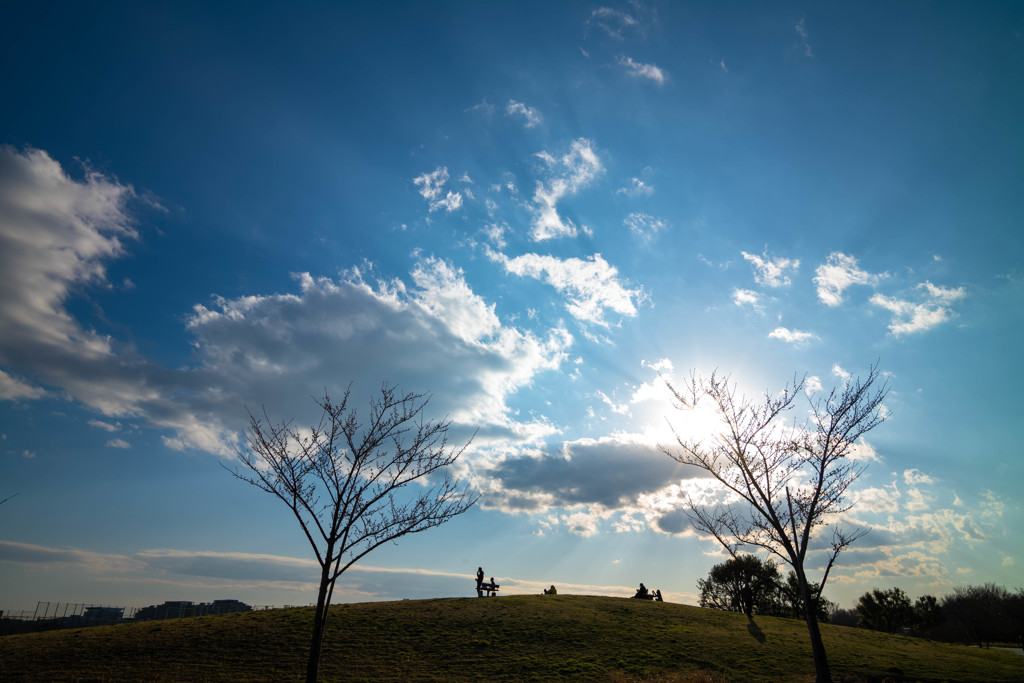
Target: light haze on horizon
{"points": [[536, 212]]}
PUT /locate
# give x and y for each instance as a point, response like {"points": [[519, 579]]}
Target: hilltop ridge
{"points": [[515, 638]]}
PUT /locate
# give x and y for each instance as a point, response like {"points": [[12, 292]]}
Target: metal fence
{"points": [[59, 615]]}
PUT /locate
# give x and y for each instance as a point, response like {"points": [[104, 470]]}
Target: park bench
{"points": [[485, 587]]}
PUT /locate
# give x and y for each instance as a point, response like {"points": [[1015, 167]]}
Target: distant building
{"points": [[178, 609], [94, 616], [228, 606]]}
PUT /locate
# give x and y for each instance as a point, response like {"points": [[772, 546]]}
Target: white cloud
{"points": [[771, 272], [801, 31], [639, 70], [531, 116], [484, 107], [591, 286], [13, 389], [118, 443], [644, 225], [813, 385], [57, 233], [495, 232], [636, 188], [431, 184], [839, 372], [914, 477], [795, 337], [743, 297], [451, 202], [911, 317], [837, 274], [431, 187], [862, 450], [945, 295], [575, 170], [613, 22], [105, 426], [56, 236], [618, 408], [283, 346]]}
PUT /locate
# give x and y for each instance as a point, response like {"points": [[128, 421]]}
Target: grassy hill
{"points": [[518, 638]]}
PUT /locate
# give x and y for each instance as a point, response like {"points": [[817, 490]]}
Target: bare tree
{"points": [[346, 481], [784, 483]]}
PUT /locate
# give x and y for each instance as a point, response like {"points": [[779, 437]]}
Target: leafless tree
{"points": [[784, 482], [347, 481]]}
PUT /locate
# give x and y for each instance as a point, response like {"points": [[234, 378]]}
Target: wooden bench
{"points": [[486, 587]]}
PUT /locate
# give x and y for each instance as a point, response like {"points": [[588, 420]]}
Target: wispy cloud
{"points": [[636, 188], [746, 297], [432, 186], [13, 389], [612, 21], [57, 233], [573, 171], [794, 337], [644, 225], [531, 116], [118, 443], [839, 272], [592, 286], [769, 271], [910, 317], [841, 372], [639, 70], [801, 32]]}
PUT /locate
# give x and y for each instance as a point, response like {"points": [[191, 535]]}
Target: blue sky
{"points": [[533, 211]]}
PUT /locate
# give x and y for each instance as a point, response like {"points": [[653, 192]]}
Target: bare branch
{"points": [[347, 482], [790, 480]]}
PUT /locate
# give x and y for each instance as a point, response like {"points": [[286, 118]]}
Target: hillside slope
{"points": [[518, 638]]}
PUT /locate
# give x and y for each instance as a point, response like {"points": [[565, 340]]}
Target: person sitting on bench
{"points": [[484, 589]]}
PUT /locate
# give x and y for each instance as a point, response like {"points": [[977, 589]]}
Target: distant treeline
{"points": [[979, 615]]}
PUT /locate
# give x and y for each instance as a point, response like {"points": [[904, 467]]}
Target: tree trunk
{"points": [[821, 670], [319, 622]]}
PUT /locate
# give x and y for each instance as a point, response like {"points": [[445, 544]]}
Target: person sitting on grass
{"points": [[551, 591]]}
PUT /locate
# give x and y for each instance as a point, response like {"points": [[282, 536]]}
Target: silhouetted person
{"points": [[657, 596], [641, 592], [747, 599], [479, 582], [551, 591], [493, 587]]}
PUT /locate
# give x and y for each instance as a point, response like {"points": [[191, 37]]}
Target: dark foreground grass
{"points": [[519, 638]]}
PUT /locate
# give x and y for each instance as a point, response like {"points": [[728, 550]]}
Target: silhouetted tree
{"points": [[885, 610], [721, 589], [984, 614], [347, 482], [787, 482], [927, 614], [791, 603], [844, 617]]}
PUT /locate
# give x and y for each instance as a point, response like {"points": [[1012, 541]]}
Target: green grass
{"points": [[518, 638]]}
